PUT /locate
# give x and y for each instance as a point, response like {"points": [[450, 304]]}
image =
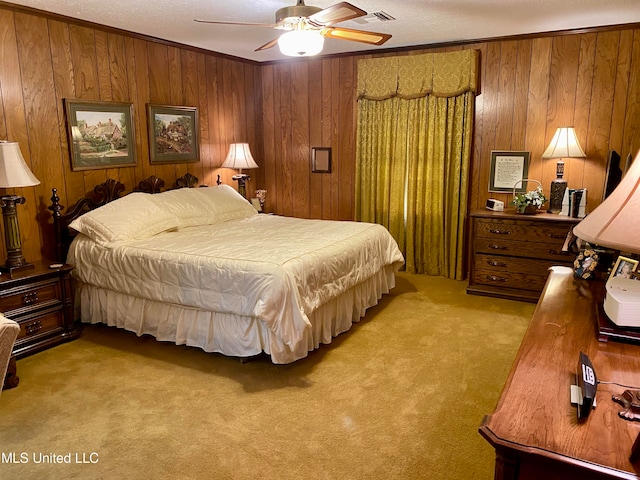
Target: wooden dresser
{"points": [[40, 300], [534, 429], [511, 253]]}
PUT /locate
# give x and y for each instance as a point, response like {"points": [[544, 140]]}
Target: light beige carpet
{"points": [[399, 396]]}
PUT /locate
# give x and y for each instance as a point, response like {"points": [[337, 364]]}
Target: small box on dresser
{"points": [[39, 299], [511, 253]]}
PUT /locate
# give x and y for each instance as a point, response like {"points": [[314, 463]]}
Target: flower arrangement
{"points": [[262, 197], [533, 199]]}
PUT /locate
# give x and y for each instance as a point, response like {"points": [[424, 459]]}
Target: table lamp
{"points": [[563, 145], [614, 224], [240, 157], [14, 172]]}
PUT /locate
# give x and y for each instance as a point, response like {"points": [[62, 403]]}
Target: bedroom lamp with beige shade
{"points": [[239, 157], [563, 145], [614, 224], [14, 173]]}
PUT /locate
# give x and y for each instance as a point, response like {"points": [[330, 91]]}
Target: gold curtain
{"points": [[415, 120]]}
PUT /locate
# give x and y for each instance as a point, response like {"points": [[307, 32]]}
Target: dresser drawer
{"points": [[23, 299], [510, 279], [34, 326], [499, 265], [529, 249], [523, 230]]}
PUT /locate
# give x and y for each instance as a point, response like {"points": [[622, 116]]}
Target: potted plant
{"points": [[529, 202]]}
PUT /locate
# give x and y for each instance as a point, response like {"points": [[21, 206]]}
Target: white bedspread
{"points": [[276, 269]]}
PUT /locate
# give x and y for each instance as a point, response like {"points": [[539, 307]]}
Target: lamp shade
{"points": [[14, 171], [614, 223], [239, 157], [301, 43], [564, 145]]}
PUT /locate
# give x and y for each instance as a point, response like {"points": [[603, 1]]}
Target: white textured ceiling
{"points": [[418, 22]]}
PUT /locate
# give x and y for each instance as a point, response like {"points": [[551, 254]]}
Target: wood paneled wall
{"points": [[529, 86], [44, 60]]}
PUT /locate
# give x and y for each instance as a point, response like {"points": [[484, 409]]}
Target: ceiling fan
{"points": [[307, 26]]}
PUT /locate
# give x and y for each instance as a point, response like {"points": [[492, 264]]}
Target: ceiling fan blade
{"points": [[271, 25], [336, 13], [267, 45], [362, 36]]}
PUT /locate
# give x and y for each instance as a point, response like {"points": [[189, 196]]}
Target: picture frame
{"points": [[174, 134], [624, 267], [321, 159], [585, 264], [509, 171], [101, 134]]}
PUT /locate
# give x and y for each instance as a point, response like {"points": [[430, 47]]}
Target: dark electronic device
{"points": [[614, 173], [588, 384]]}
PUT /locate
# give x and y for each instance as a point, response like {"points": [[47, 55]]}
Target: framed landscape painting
{"points": [[173, 134], [101, 134]]}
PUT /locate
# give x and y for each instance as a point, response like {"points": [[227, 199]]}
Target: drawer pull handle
{"points": [[498, 247], [33, 327], [495, 278], [500, 232], [555, 235], [30, 298], [495, 263]]}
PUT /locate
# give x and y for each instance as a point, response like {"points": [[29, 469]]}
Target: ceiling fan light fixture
{"points": [[301, 43]]}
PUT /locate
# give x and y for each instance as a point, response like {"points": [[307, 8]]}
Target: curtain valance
{"points": [[413, 76]]}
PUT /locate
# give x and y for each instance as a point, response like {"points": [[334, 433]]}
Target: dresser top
{"points": [[510, 214], [534, 413]]}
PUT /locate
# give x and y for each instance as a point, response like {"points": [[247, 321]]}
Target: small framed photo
{"points": [[173, 134], [101, 134], [585, 264], [321, 159], [256, 204], [624, 268], [508, 171]]}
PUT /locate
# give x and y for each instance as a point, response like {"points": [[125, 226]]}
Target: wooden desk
{"points": [[534, 428]]}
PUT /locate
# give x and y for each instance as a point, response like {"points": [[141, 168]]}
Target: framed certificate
{"points": [[508, 170]]}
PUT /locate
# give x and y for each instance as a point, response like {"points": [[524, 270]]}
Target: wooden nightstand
{"points": [[40, 300]]}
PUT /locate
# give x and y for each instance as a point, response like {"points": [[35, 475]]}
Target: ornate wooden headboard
{"points": [[102, 194]]}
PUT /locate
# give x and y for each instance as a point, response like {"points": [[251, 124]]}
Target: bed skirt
{"points": [[229, 334]]}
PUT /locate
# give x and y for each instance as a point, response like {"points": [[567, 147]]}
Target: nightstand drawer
{"points": [[26, 298], [41, 325], [40, 300]]}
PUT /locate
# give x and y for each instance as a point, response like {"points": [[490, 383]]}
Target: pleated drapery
{"points": [[414, 133]]}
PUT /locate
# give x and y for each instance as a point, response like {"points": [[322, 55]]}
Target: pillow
{"points": [[186, 205], [133, 217], [205, 205], [227, 203]]}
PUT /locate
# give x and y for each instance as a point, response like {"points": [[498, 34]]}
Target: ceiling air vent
{"points": [[375, 17]]}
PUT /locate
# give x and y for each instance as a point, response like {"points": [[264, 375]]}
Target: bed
{"points": [[200, 267]]}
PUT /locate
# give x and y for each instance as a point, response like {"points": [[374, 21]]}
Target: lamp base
{"points": [[242, 179], [15, 260], [558, 186], [6, 268]]}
